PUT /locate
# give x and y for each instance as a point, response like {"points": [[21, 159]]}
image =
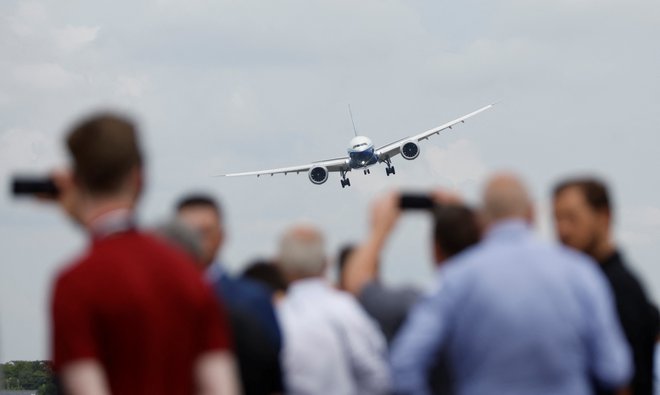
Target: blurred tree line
{"points": [[29, 375]]}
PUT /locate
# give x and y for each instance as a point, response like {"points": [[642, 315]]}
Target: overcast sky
{"points": [[220, 86]]}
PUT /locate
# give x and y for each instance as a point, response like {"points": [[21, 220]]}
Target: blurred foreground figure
{"points": [[455, 228], [514, 315], [132, 315], [331, 346], [583, 219], [253, 321]]}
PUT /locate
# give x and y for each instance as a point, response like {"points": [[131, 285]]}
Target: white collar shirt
{"points": [[330, 345]]}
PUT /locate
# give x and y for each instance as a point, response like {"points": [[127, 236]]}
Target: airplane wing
{"points": [[393, 149], [337, 164]]}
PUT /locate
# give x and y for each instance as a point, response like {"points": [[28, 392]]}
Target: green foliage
{"points": [[29, 375]]}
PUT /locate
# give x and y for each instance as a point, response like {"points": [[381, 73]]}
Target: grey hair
{"points": [[178, 234], [302, 252]]}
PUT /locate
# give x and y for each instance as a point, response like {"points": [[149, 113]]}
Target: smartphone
{"points": [[414, 201], [43, 186]]}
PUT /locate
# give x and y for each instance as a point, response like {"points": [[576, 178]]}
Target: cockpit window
{"points": [[365, 156], [359, 145]]}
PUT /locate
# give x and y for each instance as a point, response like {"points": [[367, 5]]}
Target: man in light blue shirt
{"points": [[514, 315]]}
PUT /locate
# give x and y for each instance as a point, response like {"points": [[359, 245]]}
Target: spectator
{"points": [[455, 229], [583, 219], [255, 327], [331, 346], [268, 274], [131, 315], [514, 315]]}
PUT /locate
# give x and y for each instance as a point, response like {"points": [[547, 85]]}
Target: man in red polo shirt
{"points": [[132, 315]]}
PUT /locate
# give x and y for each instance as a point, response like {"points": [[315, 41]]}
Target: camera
{"points": [[40, 186], [416, 201]]}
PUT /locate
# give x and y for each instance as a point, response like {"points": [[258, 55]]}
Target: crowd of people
{"points": [[154, 310]]}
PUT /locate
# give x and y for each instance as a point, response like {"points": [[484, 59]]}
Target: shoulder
{"points": [[238, 291], [379, 295], [74, 272]]}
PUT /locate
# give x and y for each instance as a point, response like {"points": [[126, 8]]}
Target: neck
{"points": [[98, 207], [299, 277], [603, 250]]}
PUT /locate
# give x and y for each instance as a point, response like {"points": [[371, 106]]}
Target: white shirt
{"points": [[331, 346]]}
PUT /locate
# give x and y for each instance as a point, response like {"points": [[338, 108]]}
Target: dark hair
{"points": [[267, 273], [199, 200], [594, 191], [344, 253], [456, 228], [105, 149]]}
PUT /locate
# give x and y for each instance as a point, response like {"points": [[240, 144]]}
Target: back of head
{"points": [[266, 273], [105, 150], [302, 252], [505, 197], [456, 228]]}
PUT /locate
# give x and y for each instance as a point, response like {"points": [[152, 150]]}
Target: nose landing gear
{"points": [[367, 171]]}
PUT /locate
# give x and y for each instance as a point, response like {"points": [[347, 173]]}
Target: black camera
{"points": [[416, 201], [39, 186]]}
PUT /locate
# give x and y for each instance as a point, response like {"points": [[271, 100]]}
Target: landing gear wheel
{"points": [[367, 171], [345, 183], [390, 170]]}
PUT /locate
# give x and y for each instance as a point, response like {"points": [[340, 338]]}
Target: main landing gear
{"points": [[367, 171], [389, 169], [345, 182]]}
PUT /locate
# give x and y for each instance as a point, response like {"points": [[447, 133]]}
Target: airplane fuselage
{"points": [[361, 153]]}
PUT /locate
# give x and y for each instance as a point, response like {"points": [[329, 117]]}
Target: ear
{"points": [[604, 218]]}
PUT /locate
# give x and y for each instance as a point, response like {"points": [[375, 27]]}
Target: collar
{"points": [[307, 285], [614, 258], [508, 228], [112, 222]]}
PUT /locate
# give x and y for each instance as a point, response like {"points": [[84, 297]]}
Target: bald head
{"points": [[302, 252], [505, 197]]}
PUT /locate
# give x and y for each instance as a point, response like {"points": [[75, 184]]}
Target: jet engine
{"points": [[318, 175], [409, 150]]}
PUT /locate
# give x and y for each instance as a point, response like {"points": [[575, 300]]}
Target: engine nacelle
{"points": [[318, 175], [409, 150]]}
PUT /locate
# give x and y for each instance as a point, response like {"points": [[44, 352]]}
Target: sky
{"points": [[226, 85]]}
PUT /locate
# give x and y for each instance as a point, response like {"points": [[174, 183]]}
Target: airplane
{"points": [[362, 154]]}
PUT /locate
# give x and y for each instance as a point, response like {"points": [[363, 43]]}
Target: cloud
{"points": [[72, 38], [48, 76], [131, 86], [25, 150], [640, 226], [458, 163]]}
